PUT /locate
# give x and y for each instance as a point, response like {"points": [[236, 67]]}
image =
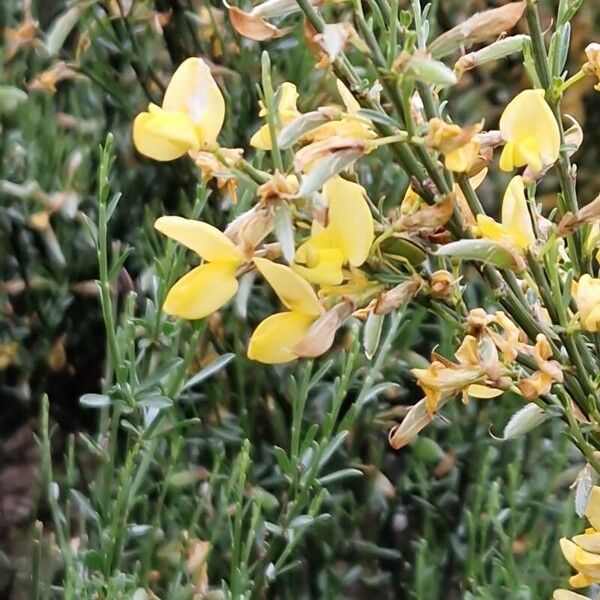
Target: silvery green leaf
{"points": [[10, 98], [61, 28], [495, 51], [372, 334], [214, 367], [325, 169], [524, 420], [583, 488], [95, 400], [484, 251], [243, 294], [378, 117], [284, 231], [299, 127], [430, 71]]}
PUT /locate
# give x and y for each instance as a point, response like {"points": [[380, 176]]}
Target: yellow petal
{"points": [[490, 229], [463, 158], [528, 123], [275, 337], [350, 102], [589, 541], [193, 91], [477, 180], [567, 595], [515, 215], [202, 291], [164, 135], [569, 550], [592, 511], [204, 239], [350, 218], [587, 562], [507, 158], [318, 262], [261, 140], [288, 96], [591, 321], [295, 292], [580, 580], [483, 391]]}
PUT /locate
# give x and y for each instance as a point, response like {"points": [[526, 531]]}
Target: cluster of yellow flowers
{"points": [[484, 368], [342, 234], [583, 551], [333, 259]]}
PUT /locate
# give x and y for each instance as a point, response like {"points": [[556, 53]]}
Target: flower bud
{"points": [[500, 49], [441, 283], [430, 71]]}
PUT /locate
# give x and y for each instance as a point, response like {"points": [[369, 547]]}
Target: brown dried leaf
{"points": [[254, 28], [481, 27], [433, 216], [321, 334]]}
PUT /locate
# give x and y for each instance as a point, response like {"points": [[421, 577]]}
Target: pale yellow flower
{"points": [[286, 110], [583, 551], [459, 146], [586, 293], [515, 229], [530, 132], [208, 287], [275, 338], [347, 237], [191, 116]]}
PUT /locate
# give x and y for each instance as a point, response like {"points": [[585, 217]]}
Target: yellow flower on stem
{"points": [[347, 237], [586, 292], [583, 551], [350, 124], [444, 378], [208, 287], [515, 229], [459, 146], [530, 131], [275, 338], [287, 111], [191, 116]]}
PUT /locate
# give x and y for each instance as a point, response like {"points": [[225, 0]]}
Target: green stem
{"points": [[272, 115]]}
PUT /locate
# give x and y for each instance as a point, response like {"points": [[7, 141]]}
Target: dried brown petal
{"points": [[253, 27], [481, 27]]}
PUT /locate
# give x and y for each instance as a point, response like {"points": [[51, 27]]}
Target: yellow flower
{"points": [[287, 111], [530, 131], [349, 125], [444, 378], [459, 146], [206, 288], [190, 118], [583, 551], [275, 338], [347, 238], [515, 230], [587, 296]]}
